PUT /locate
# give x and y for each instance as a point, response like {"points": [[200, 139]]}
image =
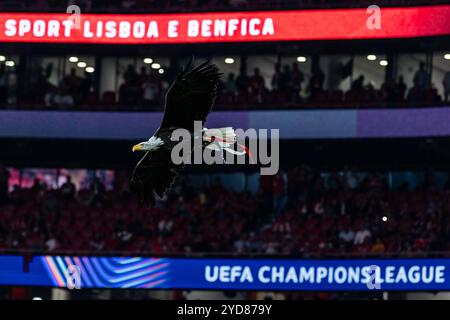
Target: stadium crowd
{"points": [[289, 87], [297, 213], [288, 83]]}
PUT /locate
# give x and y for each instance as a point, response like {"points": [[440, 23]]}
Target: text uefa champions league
{"points": [[329, 275]]}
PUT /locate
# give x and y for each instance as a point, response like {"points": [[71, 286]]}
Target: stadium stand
{"points": [[297, 213], [285, 87]]}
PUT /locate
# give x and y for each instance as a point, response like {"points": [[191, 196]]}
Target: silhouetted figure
{"points": [[401, 88], [446, 84], [68, 188], [316, 81], [276, 78], [358, 84], [242, 81], [3, 85], [297, 79], [422, 78]]}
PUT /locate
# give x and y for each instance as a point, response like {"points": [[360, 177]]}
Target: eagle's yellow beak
{"points": [[137, 147]]}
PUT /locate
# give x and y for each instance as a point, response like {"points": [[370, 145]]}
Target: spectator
{"points": [[130, 92], [97, 243], [401, 88], [143, 75], [97, 187], [230, 88], [446, 84], [361, 236], [319, 207], [378, 246], [285, 82], [316, 81], [51, 244], [271, 248], [276, 78], [334, 182], [60, 98], [352, 179], [40, 87], [130, 75], [347, 235], [279, 192], [124, 237], [242, 82], [86, 85], [389, 91], [165, 227], [358, 84], [68, 188], [151, 88], [241, 245], [257, 86], [421, 243], [415, 94], [4, 83], [37, 185], [72, 83], [421, 77], [257, 82], [297, 78]]}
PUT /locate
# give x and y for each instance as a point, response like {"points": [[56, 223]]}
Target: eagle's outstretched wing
{"points": [[191, 96]]}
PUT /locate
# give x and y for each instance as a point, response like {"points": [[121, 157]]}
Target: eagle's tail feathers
{"points": [[223, 135], [224, 139]]}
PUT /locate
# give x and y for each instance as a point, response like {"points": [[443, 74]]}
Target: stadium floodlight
{"points": [[447, 56], [90, 69], [81, 64], [371, 57], [161, 71], [229, 60], [9, 63], [301, 59], [2, 58], [148, 60], [384, 218], [73, 59], [156, 66], [383, 63]]}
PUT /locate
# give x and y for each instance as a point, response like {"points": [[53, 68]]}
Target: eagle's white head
{"points": [[154, 143]]}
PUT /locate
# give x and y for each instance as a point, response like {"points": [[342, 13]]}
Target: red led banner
{"points": [[224, 27]]}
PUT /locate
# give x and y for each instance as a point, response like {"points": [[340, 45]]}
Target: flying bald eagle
{"points": [[189, 99]]}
